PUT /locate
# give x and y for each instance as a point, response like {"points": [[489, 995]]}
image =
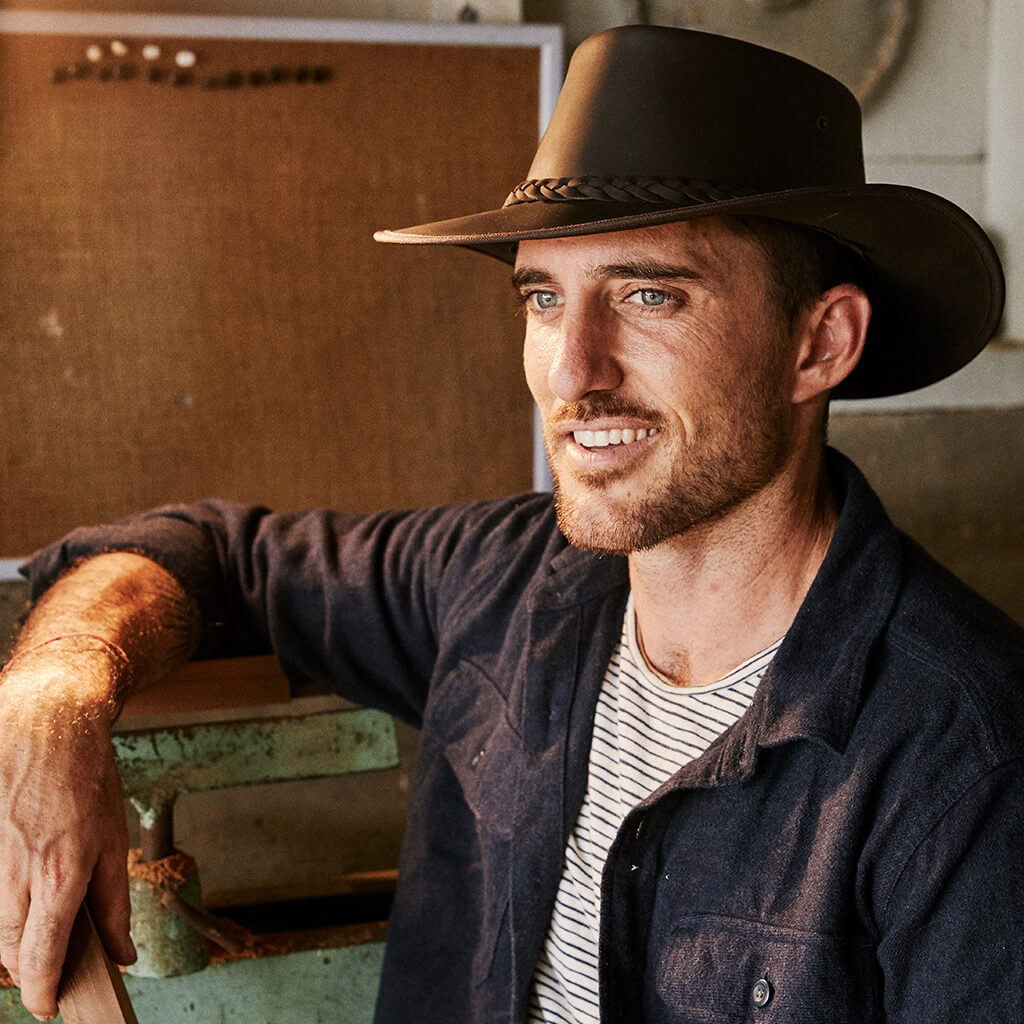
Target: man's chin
{"points": [[609, 523], [599, 526]]}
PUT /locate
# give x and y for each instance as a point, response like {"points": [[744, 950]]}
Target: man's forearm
{"points": [[126, 608]]}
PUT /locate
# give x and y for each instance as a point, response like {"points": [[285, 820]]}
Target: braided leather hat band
{"points": [[663, 191]]}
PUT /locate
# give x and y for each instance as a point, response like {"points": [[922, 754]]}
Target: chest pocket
{"points": [[720, 970]]}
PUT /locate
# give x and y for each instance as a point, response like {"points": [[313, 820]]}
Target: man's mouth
{"points": [[605, 438]]}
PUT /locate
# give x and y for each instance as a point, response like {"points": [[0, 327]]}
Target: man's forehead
{"points": [[703, 247]]}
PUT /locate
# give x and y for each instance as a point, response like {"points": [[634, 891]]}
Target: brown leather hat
{"points": [[656, 125]]}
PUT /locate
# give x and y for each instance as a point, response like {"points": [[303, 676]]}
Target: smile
{"points": [[604, 438]]}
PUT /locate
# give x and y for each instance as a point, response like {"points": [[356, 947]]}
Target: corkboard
{"points": [[192, 303]]}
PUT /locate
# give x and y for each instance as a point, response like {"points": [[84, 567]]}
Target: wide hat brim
{"points": [[937, 292], [662, 114]]}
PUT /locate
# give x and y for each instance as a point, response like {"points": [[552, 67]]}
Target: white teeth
{"points": [[604, 438]]}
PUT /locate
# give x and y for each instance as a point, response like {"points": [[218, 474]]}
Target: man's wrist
{"points": [[109, 687]]}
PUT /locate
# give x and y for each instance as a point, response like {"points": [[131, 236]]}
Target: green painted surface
{"points": [[166, 945], [324, 986], [158, 764]]}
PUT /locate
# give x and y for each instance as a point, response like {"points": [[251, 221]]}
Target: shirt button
{"points": [[761, 992]]}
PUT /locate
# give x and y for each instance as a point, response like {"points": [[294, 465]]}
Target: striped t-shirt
{"points": [[645, 729]]}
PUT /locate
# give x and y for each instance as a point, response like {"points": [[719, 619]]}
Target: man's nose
{"points": [[584, 357]]}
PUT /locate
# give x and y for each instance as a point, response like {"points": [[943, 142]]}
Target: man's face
{"points": [[662, 374]]}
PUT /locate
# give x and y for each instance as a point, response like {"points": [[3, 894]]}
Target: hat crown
{"points": [[656, 102]]}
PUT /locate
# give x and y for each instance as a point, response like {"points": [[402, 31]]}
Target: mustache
{"points": [[604, 405]]}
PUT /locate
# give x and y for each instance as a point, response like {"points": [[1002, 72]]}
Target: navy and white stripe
{"points": [[645, 729]]}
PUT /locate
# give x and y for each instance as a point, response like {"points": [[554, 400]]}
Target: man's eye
{"points": [[650, 297], [544, 300]]}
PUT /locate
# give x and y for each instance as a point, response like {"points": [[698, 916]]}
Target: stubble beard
{"points": [[741, 448]]}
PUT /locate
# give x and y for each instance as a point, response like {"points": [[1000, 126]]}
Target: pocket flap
{"points": [[720, 970]]}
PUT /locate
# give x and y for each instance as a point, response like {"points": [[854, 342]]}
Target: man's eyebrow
{"points": [[525, 276], [647, 270], [639, 269]]}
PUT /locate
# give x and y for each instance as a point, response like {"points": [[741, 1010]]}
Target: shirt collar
{"points": [[814, 687]]}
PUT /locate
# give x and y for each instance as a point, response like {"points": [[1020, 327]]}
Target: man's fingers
{"points": [[13, 910], [44, 945], [10, 945], [108, 903]]}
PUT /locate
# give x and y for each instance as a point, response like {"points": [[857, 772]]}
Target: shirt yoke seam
{"points": [[912, 648], [931, 829]]}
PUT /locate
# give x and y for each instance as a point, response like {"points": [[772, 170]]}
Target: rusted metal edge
{"points": [[158, 764], [282, 943]]}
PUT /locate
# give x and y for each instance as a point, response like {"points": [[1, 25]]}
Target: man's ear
{"points": [[832, 334]]}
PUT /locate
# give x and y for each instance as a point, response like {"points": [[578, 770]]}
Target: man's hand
{"points": [[62, 825], [114, 622]]}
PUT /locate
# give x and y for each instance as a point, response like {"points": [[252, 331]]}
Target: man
{"points": [[718, 745]]}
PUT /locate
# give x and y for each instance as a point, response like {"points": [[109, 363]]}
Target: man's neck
{"points": [[711, 598]]}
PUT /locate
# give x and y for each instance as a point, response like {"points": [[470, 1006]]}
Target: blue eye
{"points": [[544, 300], [652, 297]]}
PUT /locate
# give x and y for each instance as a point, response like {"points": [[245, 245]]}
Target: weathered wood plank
{"points": [[92, 990]]}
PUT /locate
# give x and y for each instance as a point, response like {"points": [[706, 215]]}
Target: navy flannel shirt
{"points": [[850, 851]]}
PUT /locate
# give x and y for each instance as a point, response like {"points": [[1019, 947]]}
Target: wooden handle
{"points": [[92, 990]]}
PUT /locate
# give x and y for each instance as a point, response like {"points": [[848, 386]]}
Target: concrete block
{"points": [[955, 482]]}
